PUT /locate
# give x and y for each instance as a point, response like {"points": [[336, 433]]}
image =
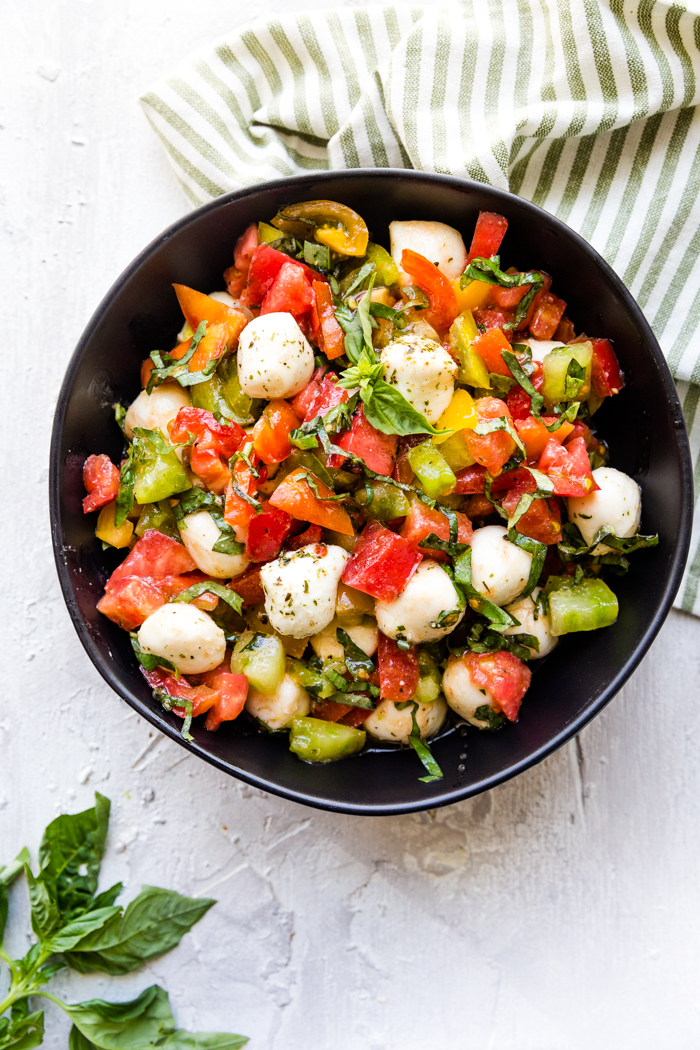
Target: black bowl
{"points": [[643, 426]]}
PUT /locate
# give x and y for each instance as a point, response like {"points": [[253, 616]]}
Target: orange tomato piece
{"points": [[212, 345], [331, 335], [296, 497], [534, 434], [272, 430], [495, 449], [443, 301], [489, 346], [198, 307]]}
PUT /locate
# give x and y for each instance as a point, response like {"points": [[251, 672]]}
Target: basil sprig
{"points": [[88, 932]]}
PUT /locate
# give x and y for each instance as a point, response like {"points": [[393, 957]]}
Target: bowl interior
{"points": [[643, 427]]}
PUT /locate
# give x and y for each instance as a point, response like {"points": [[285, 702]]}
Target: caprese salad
{"points": [[364, 488]]}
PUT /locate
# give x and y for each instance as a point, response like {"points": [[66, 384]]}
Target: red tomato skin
{"points": [[290, 292], [303, 539], [490, 450], [381, 564], [489, 347], [232, 690], [272, 430], [378, 450], [534, 434], [518, 400], [331, 335], [101, 481], [130, 600], [607, 378], [508, 298], [245, 246], [266, 534], [505, 676], [489, 318], [470, 480], [569, 468], [547, 316], [225, 437], [355, 717], [443, 301], [489, 231], [546, 285], [154, 555], [421, 520], [541, 521], [398, 670], [265, 264], [328, 395]]}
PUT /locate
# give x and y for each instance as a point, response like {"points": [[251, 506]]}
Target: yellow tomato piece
{"points": [[473, 296], [460, 414], [108, 532]]}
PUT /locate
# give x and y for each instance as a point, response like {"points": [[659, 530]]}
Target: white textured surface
{"points": [[559, 912]]}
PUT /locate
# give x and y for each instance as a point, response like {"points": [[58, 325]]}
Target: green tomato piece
{"points": [[160, 477], [455, 452], [310, 679], [558, 384], [210, 395], [385, 503], [157, 516], [315, 740], [262, 659], [431, 470], [386, 270], [267, 233], [303, 458], [472, 370], [585, 606], [244, 409], [430, 681]]}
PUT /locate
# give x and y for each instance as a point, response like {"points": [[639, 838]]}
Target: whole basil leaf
{"points": [[141, 1024], [388, 410], [25, 1030], [74, 932], [152, 924], [3, 909], [46, 916], [71, 842], [77, 1041]]}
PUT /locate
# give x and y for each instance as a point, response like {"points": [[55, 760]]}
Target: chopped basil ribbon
{"points": [[489, 271], [119, 415], [398, 317], [544, 489], [518, 373], [483, 640], [499, 619], [573, 545], [539, 553], [209, 587], [433, 542], [568, 415], [317, 255], [169, 702], [574, 379], [199, 499], [490, 426], [148, 661], [165, 366], [419, 745], [357, 662], [312, 482]]}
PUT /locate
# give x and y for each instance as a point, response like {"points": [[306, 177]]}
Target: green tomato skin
{"points": [[262, 659], [244, 409], [430, 681], [472, 370], [160, 477], [585, 606], [386, 270], [387, 503], [554, 368], [210, 396], [314, 740], [157, 516], [310, 679], [433, 473]]}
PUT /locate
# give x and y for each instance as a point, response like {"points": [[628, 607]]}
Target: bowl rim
{"points": [[454, 794]]}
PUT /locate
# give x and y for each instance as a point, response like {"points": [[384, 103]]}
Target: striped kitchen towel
{"points": [[589, 108]]}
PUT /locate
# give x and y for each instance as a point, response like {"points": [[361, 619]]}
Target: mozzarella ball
{"points": [[414, 614], [541, 347], [365, 635], [500, 569], [617, 502], [275, 358], [464, 696], [388, 723], [301, 588], [185, 636], [155, 410], [199, 532], [440, 244], [423, 371], [278, 710], [539, 625]]}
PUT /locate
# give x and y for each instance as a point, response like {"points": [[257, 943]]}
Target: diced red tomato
{"points": [[491, 450], [266, 534], [510, 478], [569, 468], [302, 402], [477, 506], [249, 587], [304, 539], [272, 430], [198, 307], [443, 302], [154, 555], [375, 448], [130, 600], [213, 441], [327, 396], [505, 676], [235, 282], [489, 347], [290, 292], [518, 400], [546, 285], [245, 246], [565, 333], [470, 480], [231, 690], [534, 434], [421, 520], [547, 316], [582, 430], [330, 711], [398, 670], [541, 521], [507, 298], [381, 564], [331, 337], [607, 379], [101, 481], [355, 717], [489, 231], [295, 496], [265, 265], [237, 511]]}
